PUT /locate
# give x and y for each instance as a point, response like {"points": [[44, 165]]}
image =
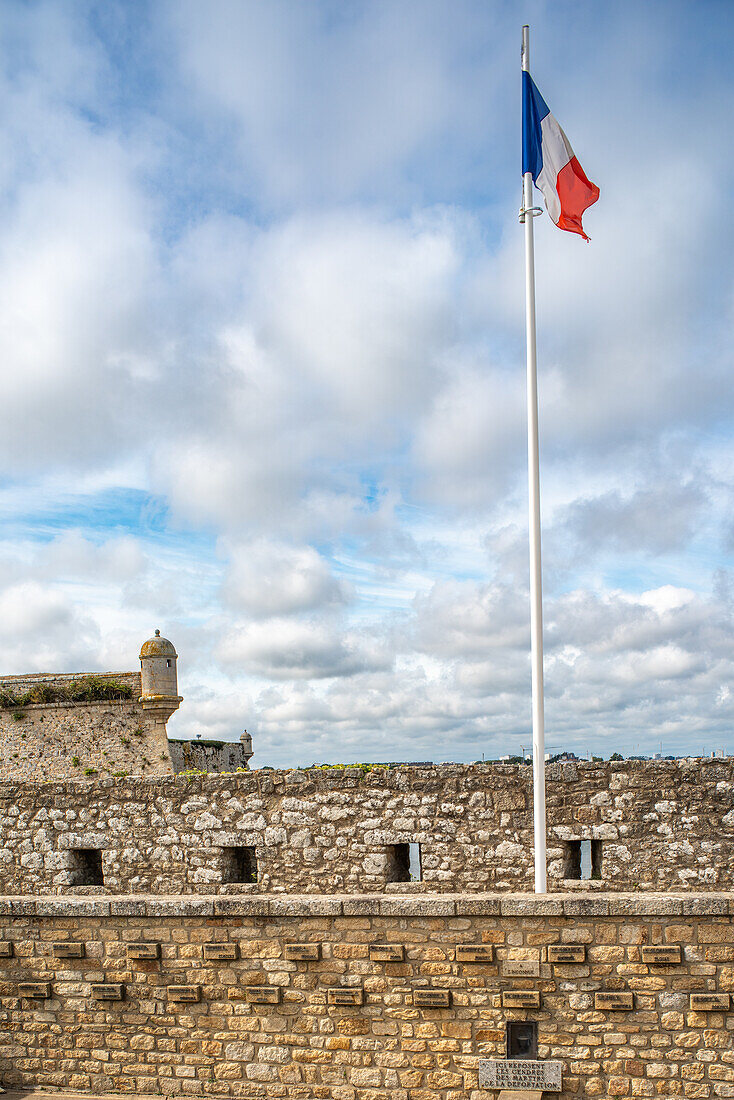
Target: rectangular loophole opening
{"points": [[582, 860], [239, 864], [522, 1039], [86, 867], [404, 863]]}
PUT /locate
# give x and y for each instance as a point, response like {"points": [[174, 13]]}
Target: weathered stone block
{"points": [[531, 905], [257, 906]]}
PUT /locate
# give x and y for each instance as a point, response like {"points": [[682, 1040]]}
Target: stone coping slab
{"points": [[385, 905]]}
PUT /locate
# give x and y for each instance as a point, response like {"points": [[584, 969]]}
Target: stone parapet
{"points": [[657, 826], [613, 905]]}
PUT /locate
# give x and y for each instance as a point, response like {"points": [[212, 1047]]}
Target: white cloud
{"points": [[286, 649], [269, 579], [261, 297], [346, 320], [653, 520], [320, 103], [43, 632]]}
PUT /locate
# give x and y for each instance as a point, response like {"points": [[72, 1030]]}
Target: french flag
{"points": [[547, 153]]}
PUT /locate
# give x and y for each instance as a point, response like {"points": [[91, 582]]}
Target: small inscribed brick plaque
{"points": [[665, 956], [41, 990], [387, 952], [615, 1002], [68, 950], [263, 994], [521, 998], [474, 953], [432, 998], [143, 950], [216, 952], [345, 997], [569, 954], [710, 1002], [303, 952], [521, 968], [189, 993], [107, 991]]}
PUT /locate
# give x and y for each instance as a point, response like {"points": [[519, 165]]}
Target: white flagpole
{"points": [[536, 592]]}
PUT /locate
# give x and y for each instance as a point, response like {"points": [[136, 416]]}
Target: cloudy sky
{"points": [[262, 368]]}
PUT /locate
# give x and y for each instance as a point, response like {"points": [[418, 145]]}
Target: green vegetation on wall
{"points": [[87, 689]]}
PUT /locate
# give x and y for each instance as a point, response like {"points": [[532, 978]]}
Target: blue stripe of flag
{"points": [[534, 110]]}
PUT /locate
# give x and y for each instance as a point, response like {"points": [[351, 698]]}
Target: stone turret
{"points": [[246, 742], [159, 696]]}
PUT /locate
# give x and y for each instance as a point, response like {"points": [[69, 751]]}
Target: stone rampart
{"points": [[208, 756], [662, 825], [359, 998], [79, 738]]}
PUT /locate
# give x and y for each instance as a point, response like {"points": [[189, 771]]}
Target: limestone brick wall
{"points": [[259, 1023], [79, 740], [662, 825]]}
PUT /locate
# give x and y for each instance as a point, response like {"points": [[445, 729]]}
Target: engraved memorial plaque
{"points": [[68, 950], [41, 990], [663, 956], [107, 991], [521, 968], [189, 993], [345, 997], [520, 1074], [387, 952], [143, 950], [521, 998], [570, 954], [474, 953], [710, 1002], [615, 1002], [432, 998], [303, 952], [214, 952], [6, 949], [263, 994]]}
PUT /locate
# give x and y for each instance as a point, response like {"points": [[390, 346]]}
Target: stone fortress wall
{"points": [[66, 739], [358, 998], [352, 933], [654, 826], [210, 756], [57, 726]]}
